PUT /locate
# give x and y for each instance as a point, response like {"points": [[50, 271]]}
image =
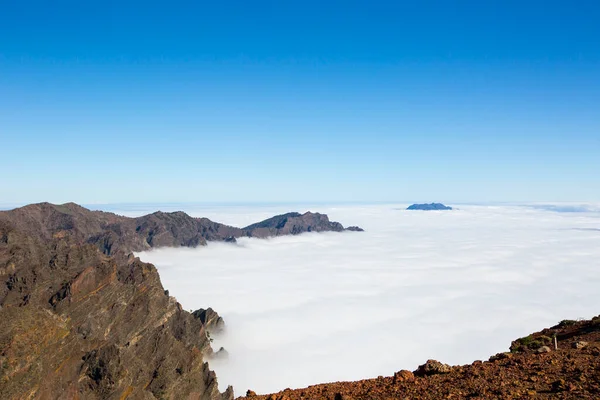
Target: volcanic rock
{"points": [[81, 317], [403, 376], [543, 349], [432, 367], [567, 373], [210, 319]]}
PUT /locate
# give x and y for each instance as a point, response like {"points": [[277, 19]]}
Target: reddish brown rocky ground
{"points": [[571, 372]]}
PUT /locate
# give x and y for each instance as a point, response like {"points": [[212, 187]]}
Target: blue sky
{"points": [[260, 101]]}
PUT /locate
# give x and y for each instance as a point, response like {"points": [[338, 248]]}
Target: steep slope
{"points": [[532, 370], [79, 324], [82, 318]]}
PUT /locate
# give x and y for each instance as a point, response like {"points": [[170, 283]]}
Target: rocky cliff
{"points": [[81, 317]]}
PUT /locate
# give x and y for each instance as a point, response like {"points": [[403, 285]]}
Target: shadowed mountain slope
{"points": [[111, 232]]}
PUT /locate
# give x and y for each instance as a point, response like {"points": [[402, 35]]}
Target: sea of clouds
{"points": [[456, 286]]}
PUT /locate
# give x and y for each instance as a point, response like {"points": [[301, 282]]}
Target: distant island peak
{"points": [[429, 207]]}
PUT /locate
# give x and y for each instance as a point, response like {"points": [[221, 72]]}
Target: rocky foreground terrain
{"points": [[532, 369], [82, 318]]}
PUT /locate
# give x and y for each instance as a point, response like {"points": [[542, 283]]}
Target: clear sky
{"points": [[106, 101]]}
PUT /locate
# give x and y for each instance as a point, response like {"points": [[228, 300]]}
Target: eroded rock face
{"points": [[210, 319], [81, 317], [79, 324]]}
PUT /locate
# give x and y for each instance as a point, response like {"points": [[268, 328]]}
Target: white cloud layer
{"points": [[455, 286]]}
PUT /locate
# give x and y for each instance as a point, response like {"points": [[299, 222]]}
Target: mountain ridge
{"points": [[82, 317], [111, 232]]}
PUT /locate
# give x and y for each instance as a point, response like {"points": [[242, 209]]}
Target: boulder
{"points": [[403, 376], [432, 367], [543, 349]]}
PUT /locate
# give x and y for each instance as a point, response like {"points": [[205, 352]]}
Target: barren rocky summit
{"points": [[82, 318], [533, 369]]}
